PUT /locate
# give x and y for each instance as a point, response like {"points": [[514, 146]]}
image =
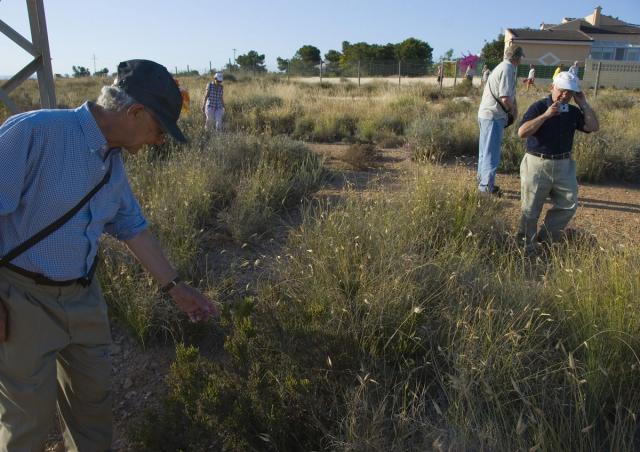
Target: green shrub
{"points": [[606, 156], [434, 138], [360, 156], [304, 128]]}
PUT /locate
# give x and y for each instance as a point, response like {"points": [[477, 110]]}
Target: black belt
{"points": [[562, 156], [44, 281]]}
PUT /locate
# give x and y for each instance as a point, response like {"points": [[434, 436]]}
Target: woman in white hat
{"points": [[213, 102]]}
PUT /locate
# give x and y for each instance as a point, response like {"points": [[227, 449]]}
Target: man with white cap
{"points": [[548, 169], [213, 102]]}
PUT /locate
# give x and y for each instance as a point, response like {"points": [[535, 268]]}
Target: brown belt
{"points": [[44, 281], [562, 156]]}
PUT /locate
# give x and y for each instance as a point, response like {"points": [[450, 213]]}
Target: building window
{"points": [[602, 53], [619, 51], [633, 54]]}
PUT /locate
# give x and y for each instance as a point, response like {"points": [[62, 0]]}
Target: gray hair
{"points": [[513, 52], [114, 98]]}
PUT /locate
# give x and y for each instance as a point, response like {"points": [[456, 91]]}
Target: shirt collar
{"points": [[548, 100], [96, 142]]}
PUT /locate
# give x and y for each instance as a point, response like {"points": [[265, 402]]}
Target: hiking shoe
{"points": [[496, 191]]}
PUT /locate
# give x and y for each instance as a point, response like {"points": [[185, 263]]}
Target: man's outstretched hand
{"points": [[193, 303]]}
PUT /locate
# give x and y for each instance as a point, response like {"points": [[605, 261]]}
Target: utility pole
{"points": [[94, 63], [38, 47]]}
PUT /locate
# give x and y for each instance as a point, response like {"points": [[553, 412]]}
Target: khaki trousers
{"points": [[57, 352], [542, 178]]}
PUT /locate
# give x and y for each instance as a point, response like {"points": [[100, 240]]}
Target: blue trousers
{"points": [[491, 132]]}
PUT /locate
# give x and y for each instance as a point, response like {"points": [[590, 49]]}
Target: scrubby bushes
{"points": [[236, 184], [404, 323], [435, 138]]}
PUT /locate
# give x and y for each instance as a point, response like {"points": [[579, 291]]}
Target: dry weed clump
{"points": [[360, 155], [233, 183]]}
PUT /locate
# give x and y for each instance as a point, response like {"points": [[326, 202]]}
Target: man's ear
{"points": [[135, 109]]}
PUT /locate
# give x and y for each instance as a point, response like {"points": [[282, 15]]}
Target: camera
{"points": [[563, 108]]}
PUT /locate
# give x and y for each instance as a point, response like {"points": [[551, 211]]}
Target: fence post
{"points": [[176, 70], [595, 92], [209, 66], [288, 69], [321, 72], [188, 70], [399, 71], [358, 73], [455, 73]]}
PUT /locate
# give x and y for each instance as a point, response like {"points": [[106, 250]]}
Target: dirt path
{"points": [[609, 212]]}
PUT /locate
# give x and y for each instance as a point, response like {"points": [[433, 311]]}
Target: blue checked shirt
{"points": [[214, 95], [49, 160]]}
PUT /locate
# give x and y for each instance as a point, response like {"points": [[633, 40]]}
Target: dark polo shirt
{"points": [[555, 135]]}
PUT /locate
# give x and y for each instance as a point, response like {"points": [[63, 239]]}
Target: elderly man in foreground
{"points": [[548, 169], [63, 183]]}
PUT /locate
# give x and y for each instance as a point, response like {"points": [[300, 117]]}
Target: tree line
{"points": [[351, 57]]}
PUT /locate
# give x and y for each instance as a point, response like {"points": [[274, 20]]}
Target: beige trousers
{"points": [[542, 178], [57, 352]]}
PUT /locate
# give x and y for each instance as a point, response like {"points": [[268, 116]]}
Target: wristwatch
{"points": [[171, 284]]}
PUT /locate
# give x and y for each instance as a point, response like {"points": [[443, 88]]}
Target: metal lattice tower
{"points": [[38, 47]]}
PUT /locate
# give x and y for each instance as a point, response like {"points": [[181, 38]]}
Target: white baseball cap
{"points": [[566, 80], [218, 76]]}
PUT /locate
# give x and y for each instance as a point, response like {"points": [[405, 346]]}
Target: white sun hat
{"points": [[567, 80], [218, 76]]}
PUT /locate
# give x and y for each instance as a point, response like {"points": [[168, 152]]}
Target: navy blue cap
{"points": [[150, 84]]}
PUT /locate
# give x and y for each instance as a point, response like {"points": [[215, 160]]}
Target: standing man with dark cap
{"points": [[497, 104], [62, 183]]}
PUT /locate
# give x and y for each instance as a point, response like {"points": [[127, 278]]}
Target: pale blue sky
{"points": [[194, 32]]}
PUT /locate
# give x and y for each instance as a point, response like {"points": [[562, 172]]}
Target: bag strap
{"points": [[497, 100], [31, 241]]}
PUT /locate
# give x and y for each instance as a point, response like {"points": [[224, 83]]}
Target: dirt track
{"points": [[610, 212]]}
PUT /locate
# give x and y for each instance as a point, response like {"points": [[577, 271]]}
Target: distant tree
{"points": [[283, 64], [447, 55], [409, 49], [305, 60], [102, 72], [308, 54], [80, 71], [333, 56], [413, 49], [230, 67], [187, 73], [251, 61], [493, 51]]}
